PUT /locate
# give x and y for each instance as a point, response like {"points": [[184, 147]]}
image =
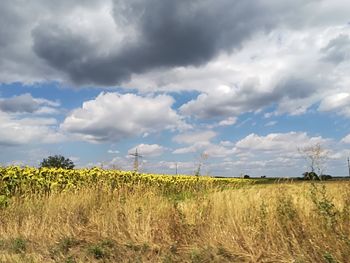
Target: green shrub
{"points": [[97, 252], [18, 245]]}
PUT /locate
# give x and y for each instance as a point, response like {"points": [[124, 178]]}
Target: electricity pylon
{"points": [[136, 160]]}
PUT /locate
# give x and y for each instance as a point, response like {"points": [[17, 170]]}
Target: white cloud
{"points": [[47, 111], [200, 142], [227, 143], [339, 102], [113, 151], [339, 154], [346, 139], [171, 167], [113, 116], [335, 101], [147, 150], [228, 122], [287, 71], [20, 131], [277, 154], [193, 137], [270, 123], [218, 102], [279, 141]]}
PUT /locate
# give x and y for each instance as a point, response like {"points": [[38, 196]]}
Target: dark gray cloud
{"points": [[21, 103], [60, 40], [296, 88], [60, 47], [169, 33], [18, 62], [25, 103]]}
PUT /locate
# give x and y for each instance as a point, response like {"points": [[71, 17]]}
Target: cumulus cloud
{"points": [[148, 150], [113, 116]]}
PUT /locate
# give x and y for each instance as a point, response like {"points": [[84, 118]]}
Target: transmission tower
{"points": [[136, 160]]}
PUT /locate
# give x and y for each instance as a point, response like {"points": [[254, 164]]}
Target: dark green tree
{"points": [[311, 176], [57, 161]]}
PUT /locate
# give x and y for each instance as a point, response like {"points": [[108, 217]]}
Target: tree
{"points": [[311, 176], [202, 158], [316, 157], [57, 161]]}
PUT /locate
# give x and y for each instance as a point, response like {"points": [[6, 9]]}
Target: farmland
{"points": [[95, 215]]}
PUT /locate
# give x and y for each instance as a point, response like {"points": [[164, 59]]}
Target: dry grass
{"points": [[262, 223]]}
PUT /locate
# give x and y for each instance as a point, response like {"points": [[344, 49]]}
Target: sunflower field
{"points": [[19, 181]]}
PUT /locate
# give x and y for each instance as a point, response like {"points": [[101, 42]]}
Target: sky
{"points": [[238, 86]]}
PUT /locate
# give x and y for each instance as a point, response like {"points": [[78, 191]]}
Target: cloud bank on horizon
{"points": [[246, 82]]}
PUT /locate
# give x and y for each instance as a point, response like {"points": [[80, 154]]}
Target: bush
{"points": [[324, 177]]}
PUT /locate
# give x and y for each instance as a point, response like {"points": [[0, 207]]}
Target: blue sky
{"points": [[94, 81]]}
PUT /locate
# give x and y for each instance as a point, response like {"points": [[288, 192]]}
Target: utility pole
{"points": [[136, 160], [349, 165]]}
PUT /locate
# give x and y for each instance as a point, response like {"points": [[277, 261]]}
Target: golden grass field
{"points": [[276, 222]]}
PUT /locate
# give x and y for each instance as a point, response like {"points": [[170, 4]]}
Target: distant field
{"points": [[54, 215]]}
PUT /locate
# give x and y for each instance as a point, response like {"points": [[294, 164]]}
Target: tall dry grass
{"points": [[264, 223]]}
